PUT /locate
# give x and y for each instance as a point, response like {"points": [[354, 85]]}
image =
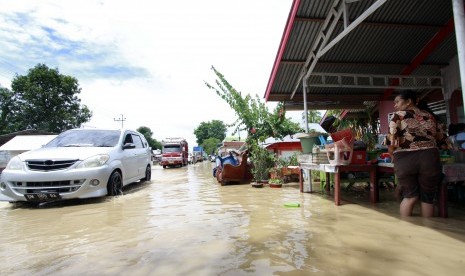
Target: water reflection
{"points": [[183, 222]]}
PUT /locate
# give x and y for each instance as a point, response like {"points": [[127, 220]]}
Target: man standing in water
{"points": [[414, 136]]}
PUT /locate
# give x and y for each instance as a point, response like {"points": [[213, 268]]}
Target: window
{"points": [[86, 138], [128, 139], [172, 148], [137, 141]]}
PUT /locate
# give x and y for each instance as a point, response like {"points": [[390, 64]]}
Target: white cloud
{"points": [[147, 60]]}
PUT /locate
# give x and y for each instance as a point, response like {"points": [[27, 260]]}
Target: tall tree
{"points": [[213, 129], [7, 111], [253, 115], [210, 145], [48, 100], [147, 132]]}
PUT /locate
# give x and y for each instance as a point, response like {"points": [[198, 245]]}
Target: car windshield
{"points": [[171, 148], [86, 138]]}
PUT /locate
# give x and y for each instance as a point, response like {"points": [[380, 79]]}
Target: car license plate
{"points": [[41, 197], [171, 161]]}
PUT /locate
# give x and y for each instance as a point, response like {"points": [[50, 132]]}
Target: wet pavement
{"points": [[184, 223]]}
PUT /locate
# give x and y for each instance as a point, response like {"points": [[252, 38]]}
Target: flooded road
{"points": [[184, 223]]}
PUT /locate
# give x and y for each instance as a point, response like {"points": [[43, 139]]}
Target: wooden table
{"points": [[337, 170], [452, 173]]}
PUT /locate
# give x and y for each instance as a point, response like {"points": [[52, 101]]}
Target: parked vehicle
{"points": [[156, 156], [197, 156], [78, 163], [191, 159], [174, 152], [198, 152]]}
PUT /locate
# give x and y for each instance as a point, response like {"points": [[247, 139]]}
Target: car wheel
{"points": [[115, 184], [148, 174], [164, 167]]}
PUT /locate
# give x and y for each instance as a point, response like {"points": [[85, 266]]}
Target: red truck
{"points": [[174, 152]]}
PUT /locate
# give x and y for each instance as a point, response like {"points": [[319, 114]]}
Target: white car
{"points": [[78, 163]]}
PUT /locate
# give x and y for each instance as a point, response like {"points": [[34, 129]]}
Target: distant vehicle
{"points": [[212, 158], [174, 152], [198, 156], [156, 156], [191, 159], [78, 163], [198, 152]]}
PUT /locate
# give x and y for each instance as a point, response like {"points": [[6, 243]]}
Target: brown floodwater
{"points": [[184, 223]]}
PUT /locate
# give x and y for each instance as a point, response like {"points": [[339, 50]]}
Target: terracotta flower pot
{"points": [[275, 185], [257, 185]]}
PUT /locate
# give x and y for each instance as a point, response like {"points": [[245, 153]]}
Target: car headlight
{"points": [[15, 164], [94, 161]]}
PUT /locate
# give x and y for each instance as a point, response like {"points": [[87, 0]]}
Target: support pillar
{"points": [[459, 21], [304, 88]]}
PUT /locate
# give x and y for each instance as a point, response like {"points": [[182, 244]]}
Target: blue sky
{"points": [[146, 60]]}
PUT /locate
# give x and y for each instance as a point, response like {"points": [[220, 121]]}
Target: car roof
{"points": [[104, 129]]}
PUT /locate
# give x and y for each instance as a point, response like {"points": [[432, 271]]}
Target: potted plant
{"points": [[275, 182], [365, 129], [262, 161], [285, 168], [277, 170], [274, 172]]}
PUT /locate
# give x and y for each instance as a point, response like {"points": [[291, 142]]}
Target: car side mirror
{"points": [[129, 146]]}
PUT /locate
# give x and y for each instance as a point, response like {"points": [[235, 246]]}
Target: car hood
{"points": [[80, 153]]}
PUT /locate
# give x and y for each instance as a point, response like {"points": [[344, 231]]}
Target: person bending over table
{"points": [[414, 138]]}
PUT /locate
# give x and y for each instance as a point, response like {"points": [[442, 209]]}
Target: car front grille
{"points": [[49, 165], [64, 186]]}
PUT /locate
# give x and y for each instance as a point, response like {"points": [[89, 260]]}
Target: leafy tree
{"points": [[313, 116], [213, 129], [210, 145], [254, 117], [147, 132], [7, 111], [47, 100]]}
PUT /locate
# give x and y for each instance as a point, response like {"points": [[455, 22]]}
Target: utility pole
{"points": [[120, 119]]}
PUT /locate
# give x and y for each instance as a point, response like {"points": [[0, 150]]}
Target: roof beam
{"points": [[301, 62], [375, 24], [343, 98], [322, 44], [374, 81], [435, 41], [323, 106], [322, 39]]}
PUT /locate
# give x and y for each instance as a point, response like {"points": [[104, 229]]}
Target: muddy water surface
{"points": [[184, 223]]}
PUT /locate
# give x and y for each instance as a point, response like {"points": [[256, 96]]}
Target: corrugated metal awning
{"points": [[389, 39]]}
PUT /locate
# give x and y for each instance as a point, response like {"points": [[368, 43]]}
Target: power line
{"points": [[120, 119]]}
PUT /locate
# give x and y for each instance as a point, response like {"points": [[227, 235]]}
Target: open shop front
{"points": [[355, 56]]}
